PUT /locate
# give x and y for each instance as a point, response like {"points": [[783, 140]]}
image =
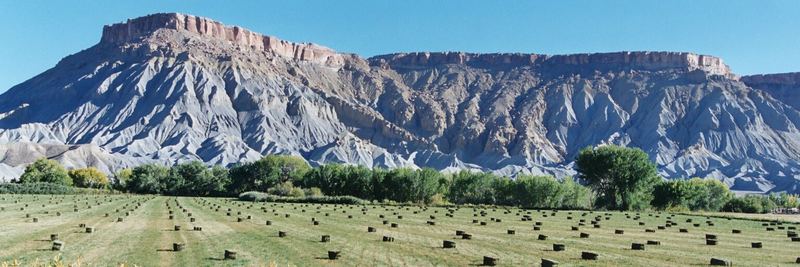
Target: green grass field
{"points": [[145, 236]]}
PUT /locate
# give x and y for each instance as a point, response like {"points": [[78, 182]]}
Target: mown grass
{"points": [[146, 235]]}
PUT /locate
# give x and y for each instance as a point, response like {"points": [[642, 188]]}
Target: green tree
{"points": [[574, 196], [121, 179], [621, 177], [45, 171], [472, 187], [148, 178], [267, 172], [89, 177], [692, 194], [537, 191]]}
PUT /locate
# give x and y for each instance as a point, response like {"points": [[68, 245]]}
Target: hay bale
{"points": [[282, 234], [387, 238], [394, 225], [371, 229], [325, 238], [619, 232], [575, 228], [448, 244], [466, 236], [177, 227], [333, 254], [756, 245], [559, 247], [736, 231], [230, 254], [711, 242], [541, 237], [269, 222], [549, 263], [35, 219], [58, 245], [683, 230], [89, 230], [490, 261], [654, 242], [53, 237], [720, 262], [584, 235], [178, 246], [711, 236], [587, 255], [198, 228], [637, 246]]}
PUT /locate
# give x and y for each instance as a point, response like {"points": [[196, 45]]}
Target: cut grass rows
{"points": [[145, 237]]}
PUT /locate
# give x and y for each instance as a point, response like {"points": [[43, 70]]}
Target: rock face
{"points": [[170, 87], [783, 86]]}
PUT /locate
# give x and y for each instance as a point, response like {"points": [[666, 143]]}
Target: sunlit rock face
{"points": [[170, 88]]}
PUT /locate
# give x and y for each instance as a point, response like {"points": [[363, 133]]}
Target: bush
{"points": [[264, 197]]}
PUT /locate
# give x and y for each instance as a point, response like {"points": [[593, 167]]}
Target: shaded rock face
{"points": [[782, 86], [170, 88]]}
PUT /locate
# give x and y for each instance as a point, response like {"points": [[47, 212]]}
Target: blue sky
{"points": [[751, 36]]}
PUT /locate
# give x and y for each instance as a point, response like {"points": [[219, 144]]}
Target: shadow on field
{"points": [[165, 250], [215, 259]]}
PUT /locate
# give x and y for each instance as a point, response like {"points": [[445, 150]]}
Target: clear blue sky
{"points": [[751, 36]]}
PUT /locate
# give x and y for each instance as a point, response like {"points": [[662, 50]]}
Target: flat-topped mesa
{"points": [[777, 79], [133, 29], [617, 60]]}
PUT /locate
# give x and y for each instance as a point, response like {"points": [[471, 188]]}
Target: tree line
{"points": [[608, 177]]}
